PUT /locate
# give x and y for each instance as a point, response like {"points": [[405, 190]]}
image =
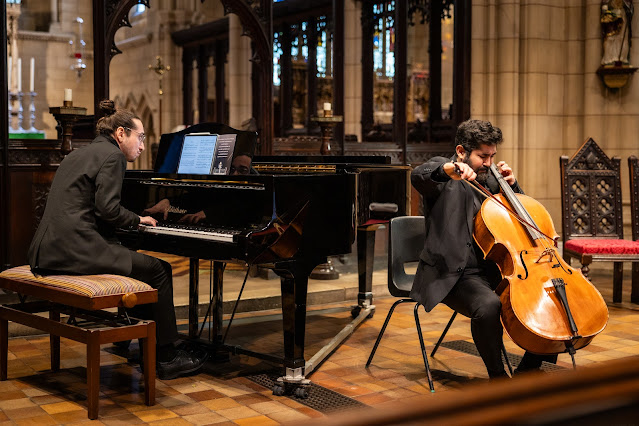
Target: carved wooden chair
{"points": [[633, 168], [592, 222]]}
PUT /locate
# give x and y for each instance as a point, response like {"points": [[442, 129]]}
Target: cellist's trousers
{"points": [[473, 297]]}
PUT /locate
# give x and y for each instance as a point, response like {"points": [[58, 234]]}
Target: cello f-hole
{"points": [[521, 256]]}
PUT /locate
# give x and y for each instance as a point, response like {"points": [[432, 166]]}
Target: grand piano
{"points": [[287, 214]]}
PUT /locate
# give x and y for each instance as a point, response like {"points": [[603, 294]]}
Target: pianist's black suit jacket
{"points": [[77, 231], [448, 209]]}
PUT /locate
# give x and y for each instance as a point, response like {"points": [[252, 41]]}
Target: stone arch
{"points": [[256, 19]]}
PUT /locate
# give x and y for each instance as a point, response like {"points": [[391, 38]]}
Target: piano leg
{"points": [[217, 310], [294, 283], [194, 288], [365, 258]]}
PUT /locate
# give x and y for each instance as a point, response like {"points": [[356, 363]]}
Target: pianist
{"points": [[77, 231]]}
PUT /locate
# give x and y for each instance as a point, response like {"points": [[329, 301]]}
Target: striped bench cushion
{"points": [[87, 285]]}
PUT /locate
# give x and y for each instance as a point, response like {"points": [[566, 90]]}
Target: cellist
{"points": [[452, 268]]}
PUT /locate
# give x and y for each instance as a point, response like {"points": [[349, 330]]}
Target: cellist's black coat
{"points": [[448, 211]]}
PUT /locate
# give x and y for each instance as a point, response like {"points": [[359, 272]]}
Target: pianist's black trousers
{"points": [[156, 273], [473, 297]]}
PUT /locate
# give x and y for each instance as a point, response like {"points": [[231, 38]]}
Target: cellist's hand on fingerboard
{"points": [[506, 172]]}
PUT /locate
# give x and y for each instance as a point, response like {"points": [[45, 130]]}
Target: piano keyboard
{"points": [[189, 231]]}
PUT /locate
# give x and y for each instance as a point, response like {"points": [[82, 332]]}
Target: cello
{"points": [[548, 307]]}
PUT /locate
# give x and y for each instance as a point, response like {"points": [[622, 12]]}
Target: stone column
{"points": [[239, 74], [352, 68]]}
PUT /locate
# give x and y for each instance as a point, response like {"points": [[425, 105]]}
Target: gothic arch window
{"points": [[412, 70], [384, 39], [302, 68]]}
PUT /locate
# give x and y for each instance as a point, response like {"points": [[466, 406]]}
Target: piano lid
{"points": [[171, 146]]}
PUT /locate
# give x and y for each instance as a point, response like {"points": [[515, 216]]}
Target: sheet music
{"points": [[197, 154]]}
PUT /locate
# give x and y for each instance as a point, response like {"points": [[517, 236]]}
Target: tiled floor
{"points": [[224, 394]]}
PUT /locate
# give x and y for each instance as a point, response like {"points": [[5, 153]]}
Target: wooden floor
{"points": [[227, 393]]}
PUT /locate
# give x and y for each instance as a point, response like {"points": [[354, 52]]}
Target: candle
{"points": [[32, 75], [19, 74], [68, 95], [327, 106], [9, 73]]}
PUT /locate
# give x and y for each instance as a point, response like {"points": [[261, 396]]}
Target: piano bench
{"points": [[83, 298]]}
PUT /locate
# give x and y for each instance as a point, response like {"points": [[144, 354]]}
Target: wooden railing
{"points": [[607, 393]]}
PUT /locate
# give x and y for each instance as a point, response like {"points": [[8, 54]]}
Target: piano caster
{"points": [[293, 383], [357, 309]]}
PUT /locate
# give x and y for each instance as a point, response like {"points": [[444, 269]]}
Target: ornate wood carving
{"points": [[591, 194], [416, 153]]}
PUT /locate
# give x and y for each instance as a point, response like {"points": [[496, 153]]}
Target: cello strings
{"points": [[487, 194]]}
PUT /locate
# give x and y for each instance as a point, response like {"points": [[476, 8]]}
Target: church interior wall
{"points": [[534, 75]]}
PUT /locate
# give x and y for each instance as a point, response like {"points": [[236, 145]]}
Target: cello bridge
{"points": [[547, 252]]}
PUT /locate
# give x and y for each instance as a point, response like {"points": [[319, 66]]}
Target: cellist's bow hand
{"points": [[460, 171], [506, 172]]}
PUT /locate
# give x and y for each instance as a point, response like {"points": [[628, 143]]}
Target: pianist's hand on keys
{"points": [[148, 220]]}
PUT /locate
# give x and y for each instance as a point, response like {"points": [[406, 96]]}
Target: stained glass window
{"points": [[277, 53], [384, 39]]}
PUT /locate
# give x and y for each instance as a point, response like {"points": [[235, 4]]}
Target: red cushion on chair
{"points": [[375, 222], [608, 246]]}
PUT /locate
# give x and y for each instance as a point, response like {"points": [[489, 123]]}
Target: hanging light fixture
{"points": [[77, 48]]}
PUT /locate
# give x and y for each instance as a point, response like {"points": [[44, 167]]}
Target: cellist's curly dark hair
{"points": [[472, 133]]}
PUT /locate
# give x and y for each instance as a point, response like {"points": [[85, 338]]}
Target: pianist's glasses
{"points": [[141, 136]]}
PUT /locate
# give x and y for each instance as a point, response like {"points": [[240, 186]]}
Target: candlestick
{"points": [[328, 112], [20, 110], [68, 98], [32, 75], [19, 74], [32, 114]]}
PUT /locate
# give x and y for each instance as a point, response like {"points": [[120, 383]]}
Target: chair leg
{"points": [[4, 348], [54, 343], [149, 365], [634, 294], [508, 364], [617, 282], [381, 333], [441, 338], [93, 374], [421, 343]]}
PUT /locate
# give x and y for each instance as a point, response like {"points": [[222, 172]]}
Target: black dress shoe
{"points": [[185, 362]]}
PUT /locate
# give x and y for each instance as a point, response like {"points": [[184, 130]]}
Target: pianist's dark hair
{"points": [[113, 118]]}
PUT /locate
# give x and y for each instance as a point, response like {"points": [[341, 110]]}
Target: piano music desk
{"points": [[83, 298]]}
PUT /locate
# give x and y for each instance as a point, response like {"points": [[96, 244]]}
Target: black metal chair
{"points": [[405, 243]]}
